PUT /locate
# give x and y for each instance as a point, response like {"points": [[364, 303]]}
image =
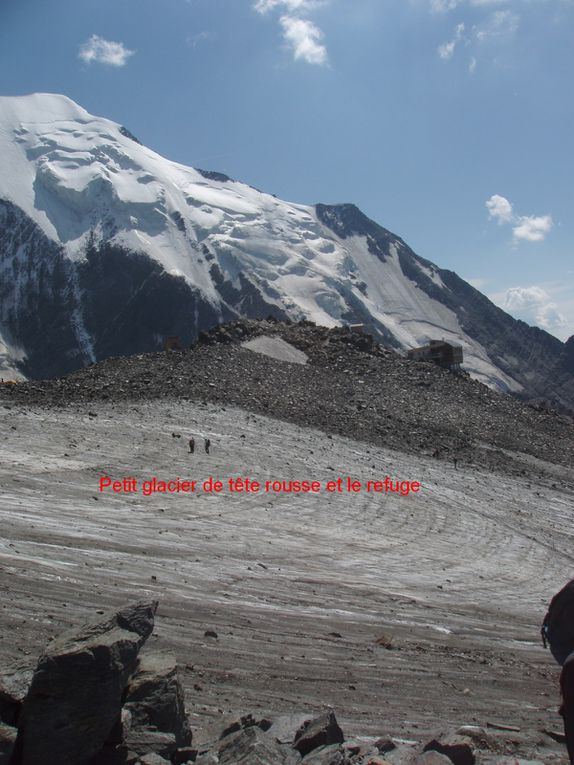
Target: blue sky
{"points": [[450, 122]]}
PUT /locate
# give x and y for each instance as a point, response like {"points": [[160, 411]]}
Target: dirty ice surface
{"points": [[299, 587]]}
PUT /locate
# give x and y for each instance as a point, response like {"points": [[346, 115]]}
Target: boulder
{"points": [[321, 731], [285, 727], [155, 698], [458, 749], [385, 744], [8, 736], [75, 696]]}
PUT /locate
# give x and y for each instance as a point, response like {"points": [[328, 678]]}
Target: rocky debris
{"points": [[431, 757], [250, 746], [93, 699], [321, 731], [483, 739], [248, 740], [304, 335], [350, 386], [153, 759], [327, 755], [207, 759], [246, 721]]}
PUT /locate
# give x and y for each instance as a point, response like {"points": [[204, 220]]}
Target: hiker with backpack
{"points": [[558, 633]]}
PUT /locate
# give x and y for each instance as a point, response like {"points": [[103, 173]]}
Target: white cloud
{"points": [[499, 208], [446, 50], [500, 24], [533, 305], [196, 39], [532, 228], [472, 65], [304, 39], [301, 35], [104, 52], [487, 2], [442, 6], [292, 6]]}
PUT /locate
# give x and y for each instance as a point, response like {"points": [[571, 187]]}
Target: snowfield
{"points": [[402, 612]]}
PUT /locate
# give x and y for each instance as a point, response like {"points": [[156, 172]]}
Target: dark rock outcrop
{"points": [[154, 698], [321, 731], [8, 736], [458, 749], [75, 697]]}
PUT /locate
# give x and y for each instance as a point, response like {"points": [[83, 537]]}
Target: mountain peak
{"points": [[50, 106], [116, 247]]}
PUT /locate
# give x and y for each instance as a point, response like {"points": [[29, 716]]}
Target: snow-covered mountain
{"points": [[106, 248]]}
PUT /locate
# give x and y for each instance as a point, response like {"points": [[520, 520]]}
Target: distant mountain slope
{"points": [[107, 247]]}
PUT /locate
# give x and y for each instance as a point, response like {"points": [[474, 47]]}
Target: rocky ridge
{"points": [[351, 386]]}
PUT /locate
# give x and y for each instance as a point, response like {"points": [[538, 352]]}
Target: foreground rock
{"points": [[92, 700], [155, 701], [458, 749], [321, 731]]}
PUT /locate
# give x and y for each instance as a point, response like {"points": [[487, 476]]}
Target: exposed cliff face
{"points": [[68, 313], [106, 248], [39, 298], [541, 363]]}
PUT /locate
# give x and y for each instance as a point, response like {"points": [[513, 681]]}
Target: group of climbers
{"points": [[206, 444]]}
